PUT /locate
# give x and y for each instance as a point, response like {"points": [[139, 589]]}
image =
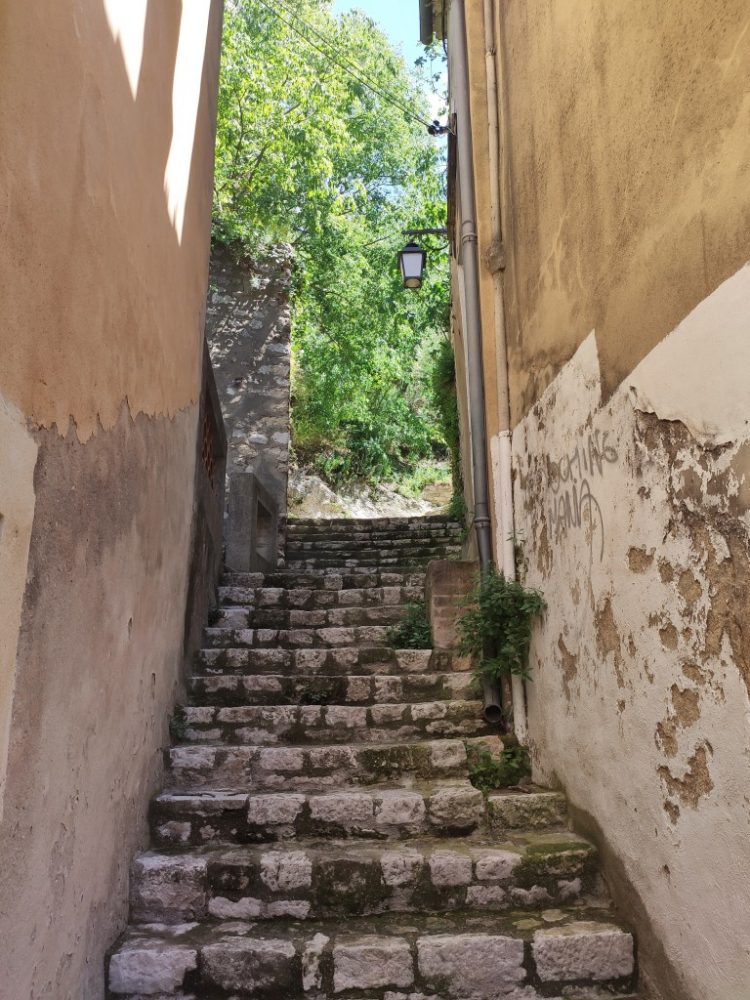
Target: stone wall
{"points": [[248, 326], [106, 163]]}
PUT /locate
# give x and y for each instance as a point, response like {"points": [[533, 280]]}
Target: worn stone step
{"points": [[334, 661], [385, 544], [458, 956], [327, 579], [309, 599], [399, 561], [537, 809], [321, 879], [298, 638], [312, 768], [371, 543], [303, 724], [309, 689], [281, 618], [385, 812], [366, 523], [376, 536]]}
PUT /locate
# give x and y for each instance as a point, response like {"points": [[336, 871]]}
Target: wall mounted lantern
{"points": [[412, 260]]}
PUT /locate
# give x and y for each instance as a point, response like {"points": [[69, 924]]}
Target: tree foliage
{"points": [[309, 155]]}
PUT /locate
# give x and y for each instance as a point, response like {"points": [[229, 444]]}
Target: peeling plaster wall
{"points": [[636, 517], [105, 196]]}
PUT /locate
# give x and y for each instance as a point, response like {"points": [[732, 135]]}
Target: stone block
{"points": [[450, 868], [371, 963], [583, 950], [343, 809], [400, 868], [248, 964], [151, 969], [495, 866], [168, 888], [284, 871], [458, 808], [274, 810], [471, 965]]}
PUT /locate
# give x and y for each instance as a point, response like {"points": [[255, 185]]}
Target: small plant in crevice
{"points": [[489, 771], [495, 628], [413, 631], [178, 724]]}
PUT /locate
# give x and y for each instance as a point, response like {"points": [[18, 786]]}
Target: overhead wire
{"points": [[353, 70]]}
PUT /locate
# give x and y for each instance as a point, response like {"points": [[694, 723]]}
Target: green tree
{"points": [[309, 155]]}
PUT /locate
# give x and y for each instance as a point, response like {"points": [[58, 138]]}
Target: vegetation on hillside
{"points": [[310, 156]]}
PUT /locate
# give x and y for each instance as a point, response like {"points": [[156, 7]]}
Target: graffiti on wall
{"points": [[573, 504]]}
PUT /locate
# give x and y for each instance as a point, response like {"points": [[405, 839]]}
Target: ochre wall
{"points": [[625, 181], [627, 126], [105, 197]]}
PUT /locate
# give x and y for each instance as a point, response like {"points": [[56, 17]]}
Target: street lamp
{"points": [[412, 261]]}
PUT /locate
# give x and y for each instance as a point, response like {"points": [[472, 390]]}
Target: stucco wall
{"points": [[626, 208], [106, 150]]}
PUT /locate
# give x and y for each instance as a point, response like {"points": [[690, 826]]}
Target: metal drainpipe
{"points": [[493, 711], [504, 456]]}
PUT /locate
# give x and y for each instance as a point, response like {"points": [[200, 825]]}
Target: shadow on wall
{"points": [[103, 263]]}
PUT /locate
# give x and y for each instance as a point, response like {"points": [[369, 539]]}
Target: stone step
{"points": [[309, 689], [384, 812], [463, 955], [369, 523], [353, 560], [347, 536], [312, 768], [327, 579], [334, 661], [317, 880], [369, 543], [309, 599], [281, 618], [334, 724], [298, 638], [534, 809]]}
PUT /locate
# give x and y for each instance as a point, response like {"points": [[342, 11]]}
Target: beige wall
{"points": [[625, 186], [106, 155]]}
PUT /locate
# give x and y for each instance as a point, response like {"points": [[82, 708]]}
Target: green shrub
{"points": [[414, 631], [495, 628], [488, 771]]}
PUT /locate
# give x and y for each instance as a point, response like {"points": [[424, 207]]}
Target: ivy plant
{"points": [[495, 628]]}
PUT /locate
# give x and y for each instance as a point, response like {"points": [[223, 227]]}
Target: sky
{"points": [[399, 19]]}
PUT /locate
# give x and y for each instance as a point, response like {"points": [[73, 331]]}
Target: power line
{"points": [[331, 53]]}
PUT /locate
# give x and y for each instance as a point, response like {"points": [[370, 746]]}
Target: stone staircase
{"points": [[319, 837]]}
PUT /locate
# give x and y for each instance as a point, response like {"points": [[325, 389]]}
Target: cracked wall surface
{"points": [[635, 515], [105, 196]]}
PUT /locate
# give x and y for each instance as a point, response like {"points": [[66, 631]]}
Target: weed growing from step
{"points": [[490, 771], [495, 628], [413, 631]]}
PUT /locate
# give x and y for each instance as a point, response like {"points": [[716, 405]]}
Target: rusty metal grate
{"points": [[208, 451]]}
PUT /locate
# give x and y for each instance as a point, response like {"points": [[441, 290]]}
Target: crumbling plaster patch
{"points": [[635, 516]]}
